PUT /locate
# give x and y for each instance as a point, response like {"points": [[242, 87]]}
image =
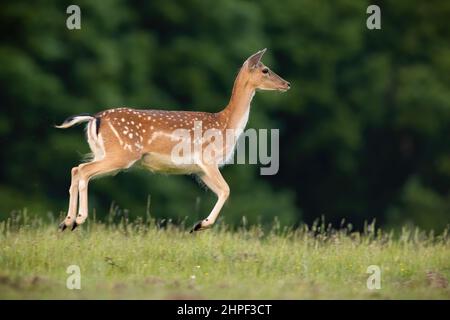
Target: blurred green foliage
{"points": [[363, 131]]}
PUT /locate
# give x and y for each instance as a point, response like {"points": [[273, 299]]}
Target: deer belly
{"points": [[163, 163]]}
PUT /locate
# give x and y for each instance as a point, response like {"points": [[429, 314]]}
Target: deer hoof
{"points": [[62, 226], [75, 224], [199, 226]]}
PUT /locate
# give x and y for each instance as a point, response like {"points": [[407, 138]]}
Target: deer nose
{"points": [[288, 84]]}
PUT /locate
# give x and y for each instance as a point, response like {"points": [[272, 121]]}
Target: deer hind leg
{"points": [[212, 177], [73, 202], [89, 170]]}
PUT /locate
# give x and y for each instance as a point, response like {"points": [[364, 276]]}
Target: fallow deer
{"points": [[120, 137]]}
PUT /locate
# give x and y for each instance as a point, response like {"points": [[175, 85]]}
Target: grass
{"points": [[143, 261]]}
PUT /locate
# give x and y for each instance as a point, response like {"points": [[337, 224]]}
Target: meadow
{"points": [[145, 260]]}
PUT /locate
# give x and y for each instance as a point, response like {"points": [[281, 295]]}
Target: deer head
{"points": [[260, 76]]}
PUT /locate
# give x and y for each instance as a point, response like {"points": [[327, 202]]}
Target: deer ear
{"points": [[255, 58]]}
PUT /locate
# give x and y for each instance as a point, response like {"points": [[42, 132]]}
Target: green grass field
{"points": [[143, 261]]}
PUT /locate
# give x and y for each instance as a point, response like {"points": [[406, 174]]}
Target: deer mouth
{"points": [[285, 87]]}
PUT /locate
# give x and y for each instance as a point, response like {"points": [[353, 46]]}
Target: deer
{"points": [[121, 137]]}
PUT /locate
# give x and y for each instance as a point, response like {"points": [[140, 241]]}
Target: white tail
{"points": [[74, 120], [120, 137]]}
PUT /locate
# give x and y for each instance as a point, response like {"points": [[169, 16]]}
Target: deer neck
{"points": [[237, 110]]}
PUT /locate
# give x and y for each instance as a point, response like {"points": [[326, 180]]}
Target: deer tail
{"points": [[76, 119]]}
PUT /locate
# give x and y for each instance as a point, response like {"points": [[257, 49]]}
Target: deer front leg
{"points": [[73, 201], [212, 177]]}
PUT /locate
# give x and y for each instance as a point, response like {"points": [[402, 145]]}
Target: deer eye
{"points": [[265, 70]]}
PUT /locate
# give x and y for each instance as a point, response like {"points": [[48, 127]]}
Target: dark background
{"points": [[363, 131]]}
